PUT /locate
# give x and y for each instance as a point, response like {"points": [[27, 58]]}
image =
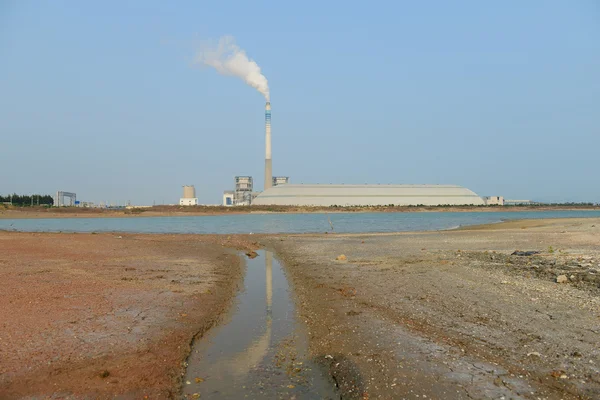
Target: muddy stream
{"points": [[260, 349]]}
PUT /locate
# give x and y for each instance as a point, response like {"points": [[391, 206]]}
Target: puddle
{"points": [[260, 350]]}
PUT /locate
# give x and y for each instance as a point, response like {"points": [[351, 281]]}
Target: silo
{"points": [[189, 192]]}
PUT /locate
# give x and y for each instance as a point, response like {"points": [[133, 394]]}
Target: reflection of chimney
{"points": [[247, 360], [268, 164], [269, 282]]}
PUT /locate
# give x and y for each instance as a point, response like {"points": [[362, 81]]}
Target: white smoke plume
{"points": [[228, 59]]}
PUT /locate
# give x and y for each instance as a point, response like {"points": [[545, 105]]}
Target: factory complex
{"points": [[278, 191]]}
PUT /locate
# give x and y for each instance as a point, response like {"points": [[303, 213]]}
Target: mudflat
{"points": [[454, 314], [99, 316]]}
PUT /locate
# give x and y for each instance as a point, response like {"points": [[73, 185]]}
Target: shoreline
{"points": [[523, 223], [65, 213]]}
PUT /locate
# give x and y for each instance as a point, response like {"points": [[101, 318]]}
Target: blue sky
{"points": [[102, 98]]}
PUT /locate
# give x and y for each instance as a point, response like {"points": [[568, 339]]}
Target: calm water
{"points": [[260, 350], [283, 223]]}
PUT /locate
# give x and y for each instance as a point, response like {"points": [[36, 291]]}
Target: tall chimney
{"points": [[268, 163]]}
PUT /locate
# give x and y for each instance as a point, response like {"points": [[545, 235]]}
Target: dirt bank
{"points": [[8, 212], [98, 316], [453, 314]]}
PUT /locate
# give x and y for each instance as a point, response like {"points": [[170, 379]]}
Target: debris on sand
{"points": [[347, 291], [341, 257], [104, 374], [524, 253], [251, 254]]}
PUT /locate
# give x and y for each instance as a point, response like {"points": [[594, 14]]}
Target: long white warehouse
{"points": [[367, 195]]}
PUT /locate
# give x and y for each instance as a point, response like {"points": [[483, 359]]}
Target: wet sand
{"points": [[453, 314], [98, 316]]}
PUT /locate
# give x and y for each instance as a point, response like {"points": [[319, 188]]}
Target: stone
{"points": [[562, 279], [251, 254], [524, 253]]}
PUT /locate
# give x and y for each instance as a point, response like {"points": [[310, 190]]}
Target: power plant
{"points": [[278, 191], [244, 194]]}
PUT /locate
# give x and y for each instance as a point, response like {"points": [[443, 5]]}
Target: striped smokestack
{"points": [[268, 163]]}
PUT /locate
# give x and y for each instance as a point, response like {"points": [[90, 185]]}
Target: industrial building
{"points": [[367, 195], [508, 202], [244, 185], [244, 193], [59, 199], [280, 180], [189, 196], [493, 200], [278, 190], [228, 197]]}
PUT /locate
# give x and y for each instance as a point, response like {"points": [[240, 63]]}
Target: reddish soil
{"points": [[107, 315]]}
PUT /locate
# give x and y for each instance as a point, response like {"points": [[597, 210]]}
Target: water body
{"points": [[260, 350], [283, 223]]}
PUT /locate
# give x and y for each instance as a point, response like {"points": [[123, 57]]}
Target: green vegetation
{"points": [[27, 200]]}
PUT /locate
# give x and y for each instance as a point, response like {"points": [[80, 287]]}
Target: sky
{"points": [[104, 98]]}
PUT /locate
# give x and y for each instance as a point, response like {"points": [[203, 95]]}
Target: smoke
{"points": [[228, 59]]}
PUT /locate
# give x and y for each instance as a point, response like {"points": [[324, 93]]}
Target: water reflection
{"points": [[238, 359], [243, 363], [230, 358]]}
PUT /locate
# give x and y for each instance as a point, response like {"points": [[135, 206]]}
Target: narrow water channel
{"points": [[260, 350]]}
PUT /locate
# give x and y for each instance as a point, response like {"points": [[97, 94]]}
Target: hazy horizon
{"points": [[105, 100]]}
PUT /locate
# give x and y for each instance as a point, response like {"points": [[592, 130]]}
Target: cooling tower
{"points": [[268, 163]]}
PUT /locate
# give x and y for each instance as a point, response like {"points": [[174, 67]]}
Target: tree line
{"points": [[24, 200]]}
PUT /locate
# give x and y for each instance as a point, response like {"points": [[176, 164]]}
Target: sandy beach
{"points": [[451, 314]]}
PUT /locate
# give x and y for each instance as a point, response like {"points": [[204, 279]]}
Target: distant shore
{"points": [[182, 211]]}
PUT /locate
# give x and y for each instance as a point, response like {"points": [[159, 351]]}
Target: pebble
{"points": [[562, 279]]}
